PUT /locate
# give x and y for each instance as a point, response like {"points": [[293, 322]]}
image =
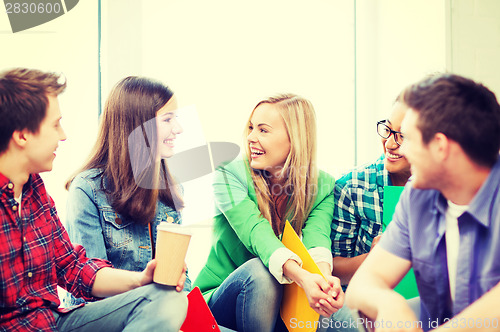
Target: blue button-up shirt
{"points": [[417, 234]]}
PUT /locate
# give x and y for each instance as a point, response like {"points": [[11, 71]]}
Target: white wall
{"points": [[475, 40], [223, 56], [67, 44], [398, 43]]}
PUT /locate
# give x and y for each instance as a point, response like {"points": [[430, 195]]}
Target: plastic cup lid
{"points": [[174, 228]]}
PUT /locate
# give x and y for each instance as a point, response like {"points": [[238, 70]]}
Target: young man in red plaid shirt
{"points": [[35, 252]]}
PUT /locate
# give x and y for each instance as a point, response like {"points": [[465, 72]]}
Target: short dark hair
{"points": [[463, 110], [23, 100]]}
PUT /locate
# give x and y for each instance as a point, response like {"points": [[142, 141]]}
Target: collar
{"points": [[382, 175], [4, 182], [27, 188], [482, 206]]}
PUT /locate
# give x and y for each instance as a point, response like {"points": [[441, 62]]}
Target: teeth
{"points": [[393, 156], [168, 141], [255, 151]]}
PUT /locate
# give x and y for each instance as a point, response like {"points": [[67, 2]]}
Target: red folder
{"points": [[199, 318]]}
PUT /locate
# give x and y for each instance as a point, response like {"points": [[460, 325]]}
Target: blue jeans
{"points": [[248, 300], [343, 321], [68, 300], [152, 307]]}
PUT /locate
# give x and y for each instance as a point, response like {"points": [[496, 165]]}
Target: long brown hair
{"points": [[300, 165], [134, 179]]}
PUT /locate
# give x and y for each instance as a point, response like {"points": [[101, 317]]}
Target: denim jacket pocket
{"points": [[116, 230]]}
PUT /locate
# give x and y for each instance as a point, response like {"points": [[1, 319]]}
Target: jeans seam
{"points": [[243, 282], [244, 292], [109, 313]]}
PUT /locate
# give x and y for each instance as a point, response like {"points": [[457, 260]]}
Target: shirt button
{"points": [[10, 185], [14, 208], [30, 274], [24, 238]]}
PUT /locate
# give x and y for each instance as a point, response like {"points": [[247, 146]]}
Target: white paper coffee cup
{"points": [[172, 241]]}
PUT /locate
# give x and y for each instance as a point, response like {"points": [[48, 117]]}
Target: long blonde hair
{"points": [[300, 168]]}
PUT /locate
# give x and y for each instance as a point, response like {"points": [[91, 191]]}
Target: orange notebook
{"points": [[199, 318], [295, 310]]}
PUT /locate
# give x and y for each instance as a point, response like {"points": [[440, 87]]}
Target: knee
{"points": [[262, 280], [169, 304], [175, 304], [172, 306]]}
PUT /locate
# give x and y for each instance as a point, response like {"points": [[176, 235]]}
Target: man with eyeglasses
{"points": [[447, 222], [358, 211], [359, 194]]}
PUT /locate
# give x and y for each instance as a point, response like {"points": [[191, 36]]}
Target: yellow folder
{"points": [[295, 310]]}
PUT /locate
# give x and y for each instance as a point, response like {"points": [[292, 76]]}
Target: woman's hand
{"points": [[324, 296], [182, 279], [146, 276]]}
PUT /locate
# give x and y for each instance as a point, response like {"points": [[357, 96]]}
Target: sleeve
{"points": [[82, 219], [344, 224], [276, 262], [396, 237], [316, 232], [75, 272], [242, 213], [320, 254]]}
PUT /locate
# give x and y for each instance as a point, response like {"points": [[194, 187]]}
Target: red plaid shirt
{"points": [[36, 255]]}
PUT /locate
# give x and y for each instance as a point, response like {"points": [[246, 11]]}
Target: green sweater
{"points": [[240, 233]]}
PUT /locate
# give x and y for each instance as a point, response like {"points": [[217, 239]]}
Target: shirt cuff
{"points": [[320, 254], [276, 262]]}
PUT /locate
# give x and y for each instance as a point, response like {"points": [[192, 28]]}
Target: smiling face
{"points": [[41, 146], [268, 139], [395, 163], [425, 167], [167, 127]]}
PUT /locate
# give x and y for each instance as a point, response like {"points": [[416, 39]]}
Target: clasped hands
{"points": [[325, 296]]}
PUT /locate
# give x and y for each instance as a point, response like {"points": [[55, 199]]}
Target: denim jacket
{"points": [[93, 223]]}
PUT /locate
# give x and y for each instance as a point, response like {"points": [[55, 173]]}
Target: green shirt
{"points": [[241, 233]]}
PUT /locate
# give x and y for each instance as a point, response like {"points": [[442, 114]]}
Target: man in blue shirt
{"points": [[447, 223]]}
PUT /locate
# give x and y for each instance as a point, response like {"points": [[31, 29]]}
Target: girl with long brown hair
{"points": [[125, 189]]}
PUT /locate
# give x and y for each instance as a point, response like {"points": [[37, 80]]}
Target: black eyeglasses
{"points": [[385, 132]]}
